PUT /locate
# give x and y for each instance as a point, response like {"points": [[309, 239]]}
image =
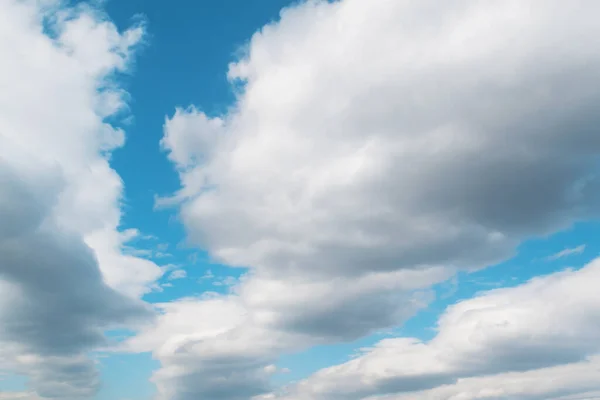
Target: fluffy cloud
{"points": [[364, 141], [548, 327], [224, 346], [567, 382], [576, 381], [211, 348], [63, 276], [374, 148], [341, 308]]}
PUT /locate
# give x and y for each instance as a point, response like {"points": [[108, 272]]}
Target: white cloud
{"points": [[212, 347], [567, 252], [517, 338], [63, 274], [224, 281], [376, 146], [218, 346], [177, 274], [381, 161], [207, 275], [576, 381]]}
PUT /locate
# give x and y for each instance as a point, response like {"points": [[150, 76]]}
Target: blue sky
{"points": [[266, 199]]}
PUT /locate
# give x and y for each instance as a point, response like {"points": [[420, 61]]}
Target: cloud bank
{"points": [[506, 343], [375, 148], [63, 276]]}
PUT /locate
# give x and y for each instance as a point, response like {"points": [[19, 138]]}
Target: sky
{"points": [[299, 200]]}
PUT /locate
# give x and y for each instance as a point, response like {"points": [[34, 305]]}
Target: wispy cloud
{"points": [[566, 252], [208, 275]]}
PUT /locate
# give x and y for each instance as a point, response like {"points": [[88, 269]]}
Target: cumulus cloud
{"points": [[63, 276], [576, 381], [376, 147], [364, 140], [211, 348], [222, 346], [549, 324]]}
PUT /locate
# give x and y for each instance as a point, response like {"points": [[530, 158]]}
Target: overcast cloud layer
{"points": [[63, 277], [375, 148]]}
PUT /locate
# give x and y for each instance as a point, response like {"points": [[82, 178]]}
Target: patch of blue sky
{"points": [[201, 278], [170, 73], [12, 383], [126, 377]]}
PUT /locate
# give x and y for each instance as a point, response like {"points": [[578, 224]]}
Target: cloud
{"points": [[63, 275], [207, 275], [376, 147], [221, 346], [567, 252], [406, 158], [19, 396], [505, 342], [222, 281], [576, 381], [338, 309], [177, 274], [210, 348]]}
